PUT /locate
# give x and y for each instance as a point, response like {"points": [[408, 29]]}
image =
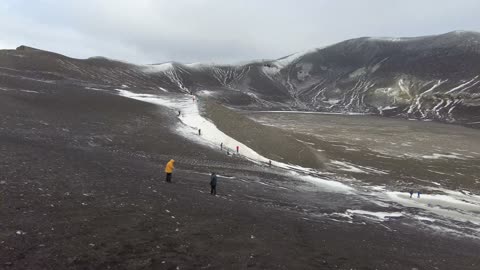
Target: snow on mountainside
{"points": [[431, 77]]}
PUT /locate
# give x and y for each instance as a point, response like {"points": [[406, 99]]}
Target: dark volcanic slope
{"points": [[270, 142], [433, 77], [81, 187]]}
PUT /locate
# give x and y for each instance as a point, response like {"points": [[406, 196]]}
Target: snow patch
{"points": [[441, 205], [359, 72], [378, 188], [387, 108], [349, 167], [345, 166], [377, 215], [206, 93], [95, 89], [394, 39], [157, 68], [332, 101], [328, 185], [199, 65], [424, 218], [30, 91], [271, 70], [439, 156]]}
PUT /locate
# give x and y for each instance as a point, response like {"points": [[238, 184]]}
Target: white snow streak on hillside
{"points": [[328, 185], [395, 39], [461, 86], [212, 136], [377, 215], [440, 156], [193, 121]]}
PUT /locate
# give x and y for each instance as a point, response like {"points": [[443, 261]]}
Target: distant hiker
{"points": [[411, 193], [179, 113], [270, 163], [199, 132], [238, 148], [228, 152], [221, 146], [418, 194], [169, 170], [213, 184]]}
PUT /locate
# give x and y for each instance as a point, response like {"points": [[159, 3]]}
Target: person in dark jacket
{"points": [[213, 184]]}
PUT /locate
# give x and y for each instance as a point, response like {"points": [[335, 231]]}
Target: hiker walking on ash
{"points": [[169, 170], [418, 194], [199, 132], [213, 184], [238, 149]]}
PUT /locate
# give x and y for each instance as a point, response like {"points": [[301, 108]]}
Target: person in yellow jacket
{"points": [[169, 170]]}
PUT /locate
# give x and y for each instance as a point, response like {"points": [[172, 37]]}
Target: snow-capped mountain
{"points": [[432, 77]]}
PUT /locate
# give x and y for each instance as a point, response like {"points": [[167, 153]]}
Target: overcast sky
{"points": [[225, 31]]}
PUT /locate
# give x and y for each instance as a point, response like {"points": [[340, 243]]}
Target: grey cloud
{"points": [[146, 31]]}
